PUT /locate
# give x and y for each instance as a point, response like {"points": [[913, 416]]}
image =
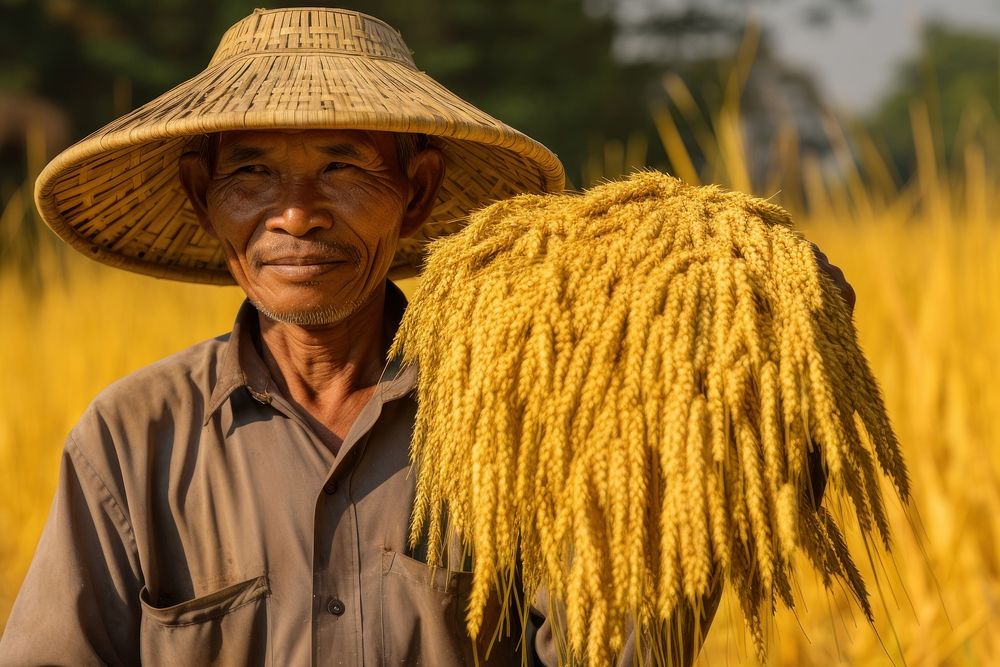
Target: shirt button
{"points": [[330, 488], [335, 606]]}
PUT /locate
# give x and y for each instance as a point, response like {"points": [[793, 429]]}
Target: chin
{"points": [[316, 316], [313, 302]]}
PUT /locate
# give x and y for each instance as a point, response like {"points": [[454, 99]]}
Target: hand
{"points": [[834, 273]]}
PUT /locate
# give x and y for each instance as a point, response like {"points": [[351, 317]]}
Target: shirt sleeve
{"points": [[79, 603]]}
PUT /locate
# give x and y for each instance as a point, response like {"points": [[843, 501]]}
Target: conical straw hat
{"points": [[116, 197]]}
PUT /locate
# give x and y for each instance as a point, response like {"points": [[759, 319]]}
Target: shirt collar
{"points": [[241, 364]]}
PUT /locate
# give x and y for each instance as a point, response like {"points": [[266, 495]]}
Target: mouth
{"points": [[304, 260], [304, 266]]}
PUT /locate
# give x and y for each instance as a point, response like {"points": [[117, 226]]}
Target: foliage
{"points": [[691, 30], [955, 77], [99, 58], [544, 68], [558, 70], [778, 106]]}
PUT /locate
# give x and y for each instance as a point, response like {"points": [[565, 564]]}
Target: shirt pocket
{"points": [[423, 619], [227, 627]]}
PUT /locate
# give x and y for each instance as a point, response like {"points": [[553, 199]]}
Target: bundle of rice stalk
{"points": [[621, 396]]}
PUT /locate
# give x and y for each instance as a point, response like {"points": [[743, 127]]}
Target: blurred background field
{"points": [[899, 189]]}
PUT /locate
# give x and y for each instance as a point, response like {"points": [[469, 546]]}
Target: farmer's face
{"points": [[309, 220]]}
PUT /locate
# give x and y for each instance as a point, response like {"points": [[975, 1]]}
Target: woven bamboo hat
{"points": [[116, 196]]}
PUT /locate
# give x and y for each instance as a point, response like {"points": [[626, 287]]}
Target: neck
{"points": [[329, 370]]}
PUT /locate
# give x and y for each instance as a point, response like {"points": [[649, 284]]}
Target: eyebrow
{"points": [[341, 150], [243, 153]]}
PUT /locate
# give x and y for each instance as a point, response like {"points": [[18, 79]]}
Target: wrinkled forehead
{"points": [[362, 143]]}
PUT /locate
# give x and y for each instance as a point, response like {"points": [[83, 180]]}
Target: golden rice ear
{"points": [[634, 395]]}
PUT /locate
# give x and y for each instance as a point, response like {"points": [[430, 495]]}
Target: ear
{"points": [[194, 178], [425, 173]]}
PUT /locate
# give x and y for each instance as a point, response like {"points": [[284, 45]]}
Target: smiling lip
{"points": [[303, 267]]}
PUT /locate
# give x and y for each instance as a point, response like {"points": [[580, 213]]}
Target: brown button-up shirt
{"points": [[198, 520]]}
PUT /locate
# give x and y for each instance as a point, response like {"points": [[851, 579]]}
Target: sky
{"points": [[854, 56]]}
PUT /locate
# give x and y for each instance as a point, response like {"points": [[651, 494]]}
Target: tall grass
{"points": [[924, 258]]}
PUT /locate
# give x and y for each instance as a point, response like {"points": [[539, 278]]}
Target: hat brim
{"points": [[116, 197]]}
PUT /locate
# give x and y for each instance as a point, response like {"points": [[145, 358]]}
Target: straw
{"points": [[115, 196]]}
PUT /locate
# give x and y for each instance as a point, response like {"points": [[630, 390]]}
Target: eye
{"points": [[251, 169], [334, 166]]}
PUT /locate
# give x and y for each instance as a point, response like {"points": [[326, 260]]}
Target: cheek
{"points": [[242, 198], [377, 214], [233, 219], [380, 241], [380, 198]]}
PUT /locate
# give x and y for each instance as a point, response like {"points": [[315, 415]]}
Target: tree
{"points": [[559, 70], [545, 68], [956, 76]]}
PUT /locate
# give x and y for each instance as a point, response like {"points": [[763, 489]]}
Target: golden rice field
{"points": [[924, 261], [928, 313]]}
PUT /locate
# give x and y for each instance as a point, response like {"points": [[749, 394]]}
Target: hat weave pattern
{"points": [[116, 195]]}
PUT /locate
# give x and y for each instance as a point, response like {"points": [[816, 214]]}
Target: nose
{"points": [[301, 211]]}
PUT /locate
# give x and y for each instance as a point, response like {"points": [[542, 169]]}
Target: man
{"points": [[246, 501]]}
